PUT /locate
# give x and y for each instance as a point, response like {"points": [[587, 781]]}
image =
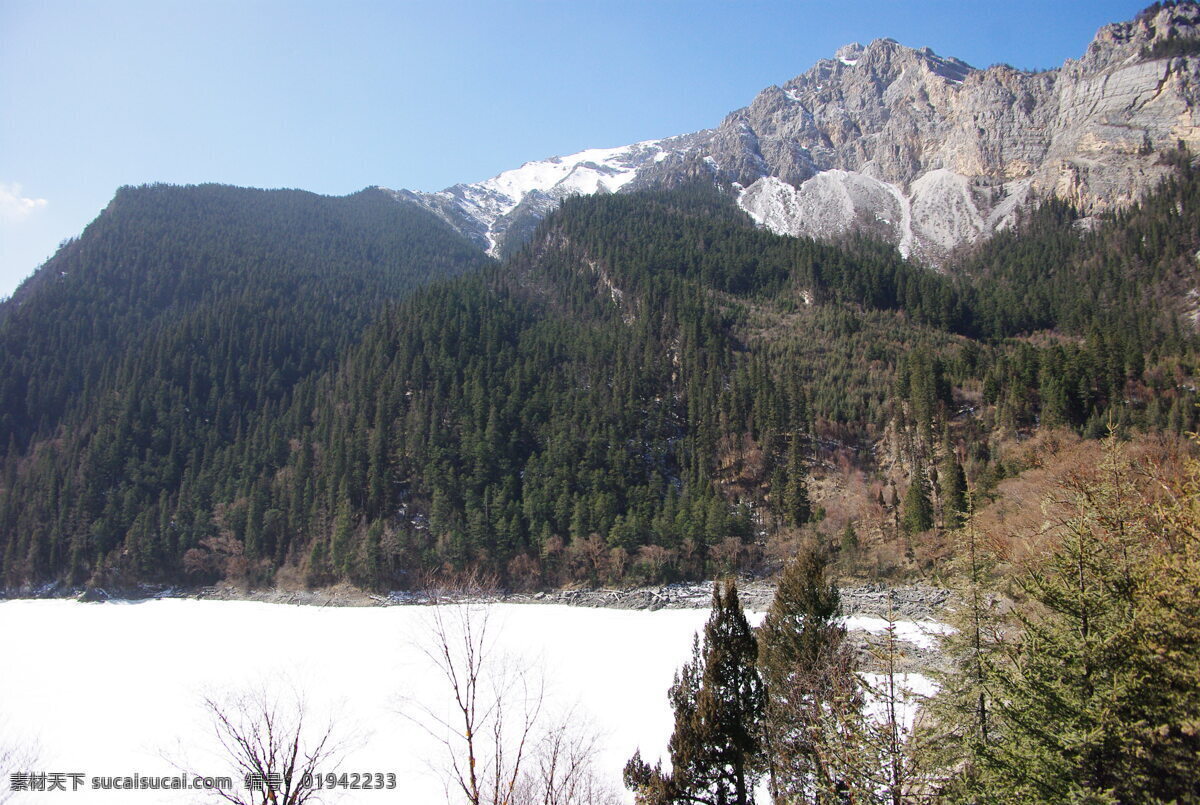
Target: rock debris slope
{"points": [[924, 151]]}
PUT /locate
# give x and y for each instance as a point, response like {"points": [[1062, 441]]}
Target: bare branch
{"points": [[268, 740], [17, 754], [499, 748]]}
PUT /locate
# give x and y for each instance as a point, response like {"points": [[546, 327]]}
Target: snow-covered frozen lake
{"points": [[116, 688]]}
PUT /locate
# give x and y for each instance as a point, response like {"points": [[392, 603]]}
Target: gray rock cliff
{"points": [[925, 151]]}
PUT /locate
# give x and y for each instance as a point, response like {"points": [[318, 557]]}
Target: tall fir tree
{"points": [[916, 514], [958, 728], [797, 506], [814, 721], [1169, 620], [953, 483], [719, 701], [1097, 702]]}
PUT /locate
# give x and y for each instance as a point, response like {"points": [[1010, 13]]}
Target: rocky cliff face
{"points": [[925, 151]]}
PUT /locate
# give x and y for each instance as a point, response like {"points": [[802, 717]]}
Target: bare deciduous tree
{"points": [[562, 768], [495, 704], [894, 738], [16, 755], [500, 746], [269, 740]]}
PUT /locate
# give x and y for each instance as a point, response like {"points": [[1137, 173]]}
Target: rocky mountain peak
{"points": [[1135, 39], [917, 148], [887, 57], [849, 54]]}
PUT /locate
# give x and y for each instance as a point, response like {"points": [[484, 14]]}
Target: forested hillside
{"points": [[653, 388], [160, 254], [181, 316]]}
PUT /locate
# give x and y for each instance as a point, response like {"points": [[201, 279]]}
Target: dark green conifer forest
{"points": [[274, 387], [178, 325]]}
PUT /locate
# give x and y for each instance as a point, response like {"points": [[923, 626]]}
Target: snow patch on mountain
{"points": [[850, 55], [541, 185], [591, 171]]}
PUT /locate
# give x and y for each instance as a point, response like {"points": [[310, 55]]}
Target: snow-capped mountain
{"points": [[925, 151], [506, 207]]}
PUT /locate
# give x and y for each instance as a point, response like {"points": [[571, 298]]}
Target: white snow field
{"points": [[115, 689]]}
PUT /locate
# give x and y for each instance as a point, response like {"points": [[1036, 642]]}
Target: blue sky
{"points": [[335, 96]]}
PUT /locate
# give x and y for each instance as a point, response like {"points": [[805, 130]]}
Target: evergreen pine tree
{"points": [[718, 699], [814, 706], [849, 545], [343, 528], [1098, 700], [916, 514], [953, 484], [959, 729], [797, 507], [1169, 620]]}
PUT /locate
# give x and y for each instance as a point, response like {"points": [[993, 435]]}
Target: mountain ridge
{"points": [[643, 392], [214, 382], [924, 151]]}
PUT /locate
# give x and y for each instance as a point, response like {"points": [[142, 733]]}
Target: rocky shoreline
{"points": [[904, 602]]}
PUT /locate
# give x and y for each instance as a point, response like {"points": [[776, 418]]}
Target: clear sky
{"points": [[336, 96]]}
